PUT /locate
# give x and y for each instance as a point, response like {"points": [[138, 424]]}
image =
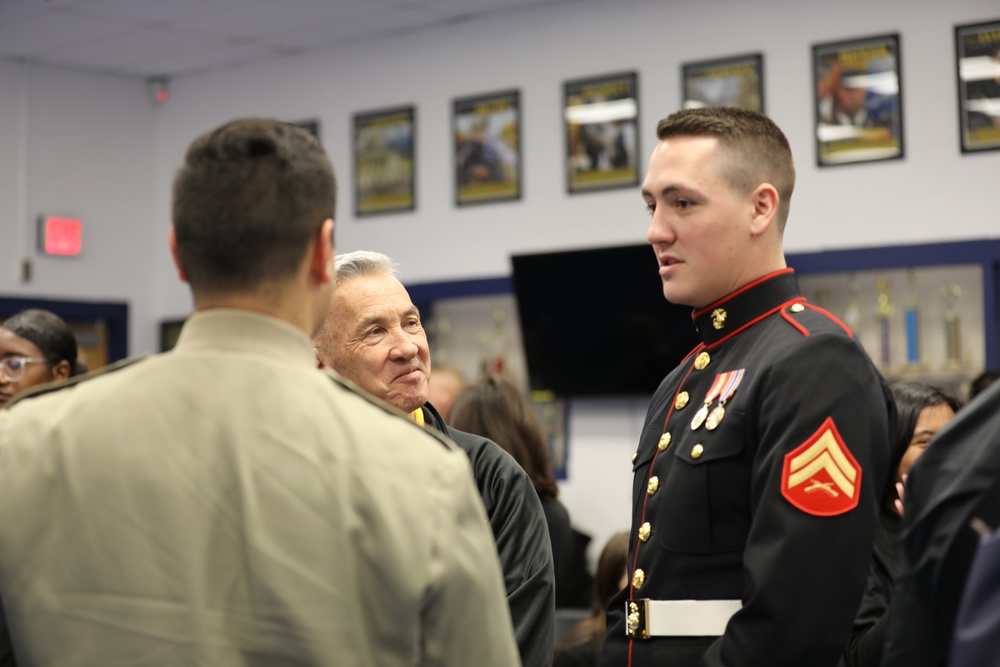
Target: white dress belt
{"points": [[678, 618]]}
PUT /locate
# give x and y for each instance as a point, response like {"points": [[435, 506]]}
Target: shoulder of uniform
{"points": [[808, 319], [347, 386], [52, 387]]}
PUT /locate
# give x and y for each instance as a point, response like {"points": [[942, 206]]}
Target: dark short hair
{"points": [[496, 409], [48, 332], [246, 203], [982, 381], [755, 149]]}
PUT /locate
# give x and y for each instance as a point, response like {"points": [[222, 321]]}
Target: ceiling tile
{"points": [[139, 47], [171, 37], [51, 32]]}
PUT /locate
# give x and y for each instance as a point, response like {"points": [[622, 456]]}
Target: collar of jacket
{"points": [[745, 306], [433, 419]]}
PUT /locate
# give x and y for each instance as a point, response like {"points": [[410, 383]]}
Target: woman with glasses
{"points": [[36, 346]]}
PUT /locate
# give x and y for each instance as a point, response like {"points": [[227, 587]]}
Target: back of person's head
{"points": [[496, 409], [50, 334], [753, 148], [982, 381], [363, 263], [246, 204]]}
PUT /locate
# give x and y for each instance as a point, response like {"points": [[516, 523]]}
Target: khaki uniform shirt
{"points": [[227, 504]]}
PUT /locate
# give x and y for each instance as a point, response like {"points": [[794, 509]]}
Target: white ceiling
{"points": [[154, 38]]}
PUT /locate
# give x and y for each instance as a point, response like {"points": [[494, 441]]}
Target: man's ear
{"points": [[173, 253], [765, 208], [323, 254]]}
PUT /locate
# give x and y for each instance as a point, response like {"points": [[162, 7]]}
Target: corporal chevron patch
{"points": [[820, 476]]}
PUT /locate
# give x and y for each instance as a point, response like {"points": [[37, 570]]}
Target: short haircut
{"points": [[363, 263], [755, 150], [247, 202], [982, 381], [48, 332]]}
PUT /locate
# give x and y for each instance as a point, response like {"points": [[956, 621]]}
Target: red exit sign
{"points": [[60, 236]]}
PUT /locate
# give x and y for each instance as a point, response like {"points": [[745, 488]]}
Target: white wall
{"points": [[79, 146], [121, 156]]}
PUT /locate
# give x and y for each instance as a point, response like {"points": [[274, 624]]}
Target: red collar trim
{"points": [[711, 306]]}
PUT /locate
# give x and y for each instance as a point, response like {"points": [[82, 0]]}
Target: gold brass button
{"points": [[696, 451], [638, 578], [664, 442], [797, 308], [644, 531], [702, 361], [682, 400], [652, 485], [635, 455]]}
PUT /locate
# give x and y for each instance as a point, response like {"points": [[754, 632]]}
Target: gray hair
{"points": [[363, 263]]}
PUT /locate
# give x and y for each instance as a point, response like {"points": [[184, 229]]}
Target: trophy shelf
{"points": [[973, 266], [926, 313]]}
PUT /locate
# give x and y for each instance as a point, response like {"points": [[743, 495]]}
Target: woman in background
{"points": [[921, 411], [496, 409], [582, 645], [36, 347]]}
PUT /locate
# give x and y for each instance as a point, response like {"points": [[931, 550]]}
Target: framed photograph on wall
{"points": [[737, 81], [311, 126], [487, 136], [977, 58], [601, 115], [858, 100], [384, 161]]}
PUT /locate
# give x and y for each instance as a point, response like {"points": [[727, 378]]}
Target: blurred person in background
{"points": [[982, 381], [922, 411], [581, 647], [36, 347], [445, 384], [953, 483], [496, 409]]}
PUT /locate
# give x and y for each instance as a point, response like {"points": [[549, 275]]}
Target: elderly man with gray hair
{"points": [[373, 337]]}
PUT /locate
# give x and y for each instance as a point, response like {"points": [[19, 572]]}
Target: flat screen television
{"points": [[595, 323]]}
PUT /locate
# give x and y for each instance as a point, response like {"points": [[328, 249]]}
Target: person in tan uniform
{"points": [[226, 503]]}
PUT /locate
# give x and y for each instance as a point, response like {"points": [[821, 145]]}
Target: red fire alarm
{"points": [[59, 236]]}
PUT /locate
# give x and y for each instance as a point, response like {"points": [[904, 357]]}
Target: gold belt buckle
{"points": [[636, 612]]}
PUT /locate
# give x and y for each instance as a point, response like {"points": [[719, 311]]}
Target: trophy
{"points": [[494, 345], [912, 323], [852, 316], [500, 340], [952, 326], [884, 320], [440, 333]]}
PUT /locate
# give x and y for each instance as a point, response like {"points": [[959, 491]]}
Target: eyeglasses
{"points": [[12, 368]]}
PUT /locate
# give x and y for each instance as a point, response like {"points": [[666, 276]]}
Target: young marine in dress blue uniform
{"points": [[763, 455]]}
